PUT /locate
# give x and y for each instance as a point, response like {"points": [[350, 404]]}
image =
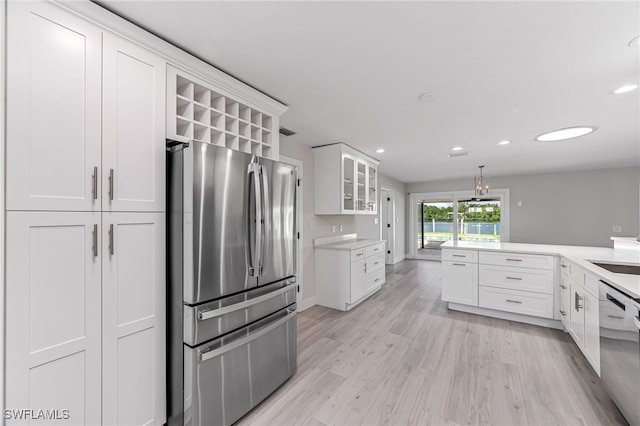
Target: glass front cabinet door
{"points": [[372, 194], [348, 185]]}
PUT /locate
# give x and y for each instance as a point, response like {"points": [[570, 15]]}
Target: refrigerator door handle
{"points": [[206, 355], [265, 228], [255, 255]]}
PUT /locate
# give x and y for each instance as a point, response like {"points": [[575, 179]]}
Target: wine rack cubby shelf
{"points": [[197, 110]]}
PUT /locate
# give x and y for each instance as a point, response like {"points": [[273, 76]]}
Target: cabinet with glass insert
{"points": [[198, 110], [346, 180]]}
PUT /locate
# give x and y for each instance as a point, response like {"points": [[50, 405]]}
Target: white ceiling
{"points": [[352, 71]]}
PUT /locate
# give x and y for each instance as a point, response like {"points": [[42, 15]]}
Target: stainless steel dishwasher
{"points": [[620, 350]]}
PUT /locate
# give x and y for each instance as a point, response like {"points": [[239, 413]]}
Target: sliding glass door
{"points": [[457, 216]]}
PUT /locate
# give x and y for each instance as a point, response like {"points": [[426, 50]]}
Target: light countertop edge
{"points": [[349, 245], [580, 255]]}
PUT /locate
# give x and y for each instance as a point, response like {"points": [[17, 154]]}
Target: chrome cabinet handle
{"points": [[513, 301], [564, 287], [459, 264], [576, 300], [514, 260], [359, 254], [564, 266], [95, 240], [615, 316], [110, 184], [514, 278], [111, 245], [94, 182], [563, 313], [376, 280], [458, 255]]}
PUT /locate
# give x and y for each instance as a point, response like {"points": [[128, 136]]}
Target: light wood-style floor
{"points": [[402, 358]]}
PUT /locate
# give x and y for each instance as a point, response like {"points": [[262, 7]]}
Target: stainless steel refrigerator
{"points": [[232, 291]]}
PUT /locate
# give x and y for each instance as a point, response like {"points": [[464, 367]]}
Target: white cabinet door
{"points": [[358, 284], [133, 144], [53, 314], [576, 313], [592, 330], [372, 190], [133, 318], [361, 187], [348, 184], [53, 109], [460, 282]]}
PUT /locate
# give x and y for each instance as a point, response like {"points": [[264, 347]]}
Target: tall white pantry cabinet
{"points": [[85, 221]]}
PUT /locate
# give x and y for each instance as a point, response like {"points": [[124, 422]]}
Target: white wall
{"points": [[570, 208], [323, 223], [365, 226]]}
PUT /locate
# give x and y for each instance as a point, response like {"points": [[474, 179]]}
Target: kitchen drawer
{"points": [[374, 279], [373, 250], [357, 254], [526, 279], [572, 270], [460, 255], [536, 261], [520, 302], [375, 262]]}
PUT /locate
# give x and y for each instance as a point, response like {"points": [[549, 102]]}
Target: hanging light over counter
{"points": [[481, 184]]}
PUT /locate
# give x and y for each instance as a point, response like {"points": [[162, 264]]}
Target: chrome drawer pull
{"points": [[514, 260], [615, 316], [213, 313], [376, 280], [459, 264], [513, 301], [564, 287], [458, 255], [514, 278], [359, 254], [563, 313]]}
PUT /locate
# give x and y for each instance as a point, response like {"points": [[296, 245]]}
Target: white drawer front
{"points": [[373, 250], [527, 279], [536, 261], [375, 279], [460, 255], [357, 254], [520, 302], [375, 262]]}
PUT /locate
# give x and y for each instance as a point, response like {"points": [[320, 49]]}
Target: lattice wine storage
{"points": [[199, 111]]}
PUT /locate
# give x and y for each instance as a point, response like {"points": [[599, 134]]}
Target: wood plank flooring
{"points": [[402, 358]]}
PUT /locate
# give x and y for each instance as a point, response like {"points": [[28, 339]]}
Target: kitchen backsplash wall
{"points": [[323, 224], [569, 208]]}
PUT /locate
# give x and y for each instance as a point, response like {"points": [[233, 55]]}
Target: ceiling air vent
{"points": [[286, 132]]}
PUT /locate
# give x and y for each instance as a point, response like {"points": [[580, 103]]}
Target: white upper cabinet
{"points": [[53, 109], [346, 181], [133, 142]]}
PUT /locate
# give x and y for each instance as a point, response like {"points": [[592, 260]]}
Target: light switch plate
{"points": [[617, 228]]}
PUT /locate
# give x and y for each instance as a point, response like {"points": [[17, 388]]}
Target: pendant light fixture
{"points": [[482, 184]]}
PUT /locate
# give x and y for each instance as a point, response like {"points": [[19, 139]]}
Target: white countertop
{"points": [[349, 244], [627, 283]]}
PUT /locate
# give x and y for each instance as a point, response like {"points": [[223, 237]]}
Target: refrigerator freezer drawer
{"points": [[225, 379], [211, 320]]}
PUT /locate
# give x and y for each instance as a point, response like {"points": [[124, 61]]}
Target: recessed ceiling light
{"points": [[624, 89], [457, 148], [459, 154], [504, 142], [427, 97], [568, 133], [379, 150], [635, 42]]}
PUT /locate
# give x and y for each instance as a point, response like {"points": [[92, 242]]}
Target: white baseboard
{"points": [[307, 303], [544, 322]]}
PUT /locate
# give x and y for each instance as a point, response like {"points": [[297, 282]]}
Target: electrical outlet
{"points": [[313, 225], [375, 220], [519, 203], [333, 228], [341, 228], [617, 228]]}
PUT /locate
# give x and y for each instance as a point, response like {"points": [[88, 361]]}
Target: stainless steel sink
{"points": [[619, 268]]}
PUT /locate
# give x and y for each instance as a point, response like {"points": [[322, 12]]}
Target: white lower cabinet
{"points": [[85, 326], [133, 318], [345, 278], [460, 282], [53, 307], [584, 312]]}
